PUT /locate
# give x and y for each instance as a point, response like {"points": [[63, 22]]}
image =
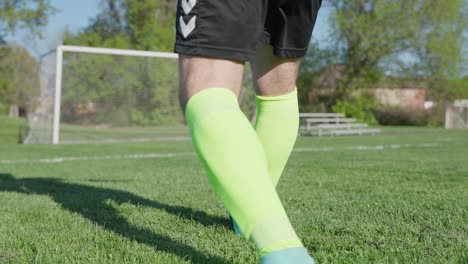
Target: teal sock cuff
{"points": [[290, 255], [210, 100]]}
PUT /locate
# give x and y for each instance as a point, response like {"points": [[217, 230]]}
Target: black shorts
{"points": [[231, 29]]}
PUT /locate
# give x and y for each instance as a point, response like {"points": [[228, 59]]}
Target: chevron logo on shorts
{"points": [[187, 5], [187, 28]]}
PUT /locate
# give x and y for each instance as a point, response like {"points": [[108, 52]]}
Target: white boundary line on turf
{"points": [[378, 147], [115, 157], [135, 140], [185, 154]]}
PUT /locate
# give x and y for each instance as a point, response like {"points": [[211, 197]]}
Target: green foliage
{"points": [[247, 101], [310, 78], [18, 76], [360, 107], [130, 24], [382, 43], [406, 39], [458, 88], [17, 67], [31, 15], [398, 116]]}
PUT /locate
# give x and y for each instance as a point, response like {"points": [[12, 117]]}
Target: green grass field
{"points": [[399, 197]]}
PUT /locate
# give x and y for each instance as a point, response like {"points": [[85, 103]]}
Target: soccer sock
{"points": [[237, 169], [277, 126]]}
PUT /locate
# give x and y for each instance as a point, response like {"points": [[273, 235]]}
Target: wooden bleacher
{"points": [[333, 124]]}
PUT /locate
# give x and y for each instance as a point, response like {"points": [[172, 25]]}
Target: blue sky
{"points": [[75, 15]]}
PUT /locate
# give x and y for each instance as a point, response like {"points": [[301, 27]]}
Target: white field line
{"points": [[185, 154], [378, 147], [135, 140], [109, 157]]}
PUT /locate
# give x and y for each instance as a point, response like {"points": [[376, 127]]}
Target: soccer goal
{"points": [[109, 95], [456, 114]]}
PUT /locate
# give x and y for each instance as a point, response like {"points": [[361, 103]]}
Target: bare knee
{"points": [[274, 75], [199, 73]]}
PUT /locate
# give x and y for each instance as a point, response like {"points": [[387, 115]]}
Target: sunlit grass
{"points": [[398, 197]]}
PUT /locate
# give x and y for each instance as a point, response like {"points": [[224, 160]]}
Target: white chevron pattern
{"points": [[187, 5], [187, 28]]}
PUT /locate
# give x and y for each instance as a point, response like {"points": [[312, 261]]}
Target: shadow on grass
{"points": [[90, 202]]}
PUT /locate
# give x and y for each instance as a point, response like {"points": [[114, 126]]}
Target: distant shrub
{"points": [[359, 107], [398, 116], [435, 116]]}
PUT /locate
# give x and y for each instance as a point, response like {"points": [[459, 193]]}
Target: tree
{"points": [[422, 38], [16, 64], [23, 14], [18, 80], [130, 24], [318, 62]]}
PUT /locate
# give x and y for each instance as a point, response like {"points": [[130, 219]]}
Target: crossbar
{"points": [[108, 51]]}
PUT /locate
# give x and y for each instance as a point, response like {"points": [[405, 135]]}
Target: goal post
{"points": [[58, 93], [91, 94], [90, 50], [456, 114]]}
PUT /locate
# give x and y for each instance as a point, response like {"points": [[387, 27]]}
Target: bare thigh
{"points": [[274, 75], [199, 73]]}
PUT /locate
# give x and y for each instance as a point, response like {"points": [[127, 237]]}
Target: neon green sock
{"points": [[277, 126], [237, 169]]}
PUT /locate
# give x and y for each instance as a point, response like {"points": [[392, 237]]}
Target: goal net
{"points": [[456, 115], [110, 95]]}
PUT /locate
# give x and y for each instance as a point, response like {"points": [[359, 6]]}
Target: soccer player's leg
{"points": [[288, 28], [277, 121], [232, 154], [226, 143]]}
